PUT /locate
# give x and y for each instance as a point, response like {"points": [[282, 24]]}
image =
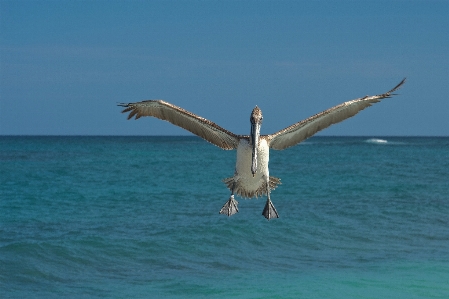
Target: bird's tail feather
{"points": [[232, 183]]}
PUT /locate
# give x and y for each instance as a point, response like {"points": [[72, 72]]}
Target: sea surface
{"points": [[137, 217]]}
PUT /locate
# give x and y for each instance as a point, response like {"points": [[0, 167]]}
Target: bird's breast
{"points": [[243, 182], [244, 160]]}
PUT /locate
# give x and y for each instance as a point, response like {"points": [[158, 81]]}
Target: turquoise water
{"points": [[137, 217]]}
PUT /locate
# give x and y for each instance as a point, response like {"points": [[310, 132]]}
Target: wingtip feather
{"points": [[132, 113], [127, 109], [396, 87]]}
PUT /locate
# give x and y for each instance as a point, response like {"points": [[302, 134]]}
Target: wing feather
{"points": [[193, 123], [304, 129]]}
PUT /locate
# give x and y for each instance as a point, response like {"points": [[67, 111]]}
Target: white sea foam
{"points": [[377, 141]]}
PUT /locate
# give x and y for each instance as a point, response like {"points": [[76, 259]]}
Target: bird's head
{"points": [[256, 121], [256, 116]]}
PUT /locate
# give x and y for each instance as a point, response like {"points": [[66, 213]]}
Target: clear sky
{"points": [[66, 64]]}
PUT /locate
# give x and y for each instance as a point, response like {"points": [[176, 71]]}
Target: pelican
{"points": [[251, 177]]}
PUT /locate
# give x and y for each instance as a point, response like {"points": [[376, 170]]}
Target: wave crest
{"points": [[376, 141]]}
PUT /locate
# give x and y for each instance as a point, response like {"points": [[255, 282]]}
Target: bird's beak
{"points": [[255, 133]]}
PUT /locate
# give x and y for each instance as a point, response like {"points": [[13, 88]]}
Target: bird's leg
{"points": [[230, 207], [269, 211]]}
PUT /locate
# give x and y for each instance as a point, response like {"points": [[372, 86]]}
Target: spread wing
{"points": [[199, 126], [304, 129]]}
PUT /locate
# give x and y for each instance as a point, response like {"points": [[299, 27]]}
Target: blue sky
{"points": [[66, 64]]}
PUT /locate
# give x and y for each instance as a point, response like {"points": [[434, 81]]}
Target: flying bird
{"points": [[251, 177]]}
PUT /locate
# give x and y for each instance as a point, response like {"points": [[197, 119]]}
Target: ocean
{"points": [[137, 217]]}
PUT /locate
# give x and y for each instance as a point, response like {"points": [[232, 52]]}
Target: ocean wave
{"points": [[376, 141]]}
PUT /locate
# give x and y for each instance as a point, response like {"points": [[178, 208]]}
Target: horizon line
{"points": [[110, 135]]}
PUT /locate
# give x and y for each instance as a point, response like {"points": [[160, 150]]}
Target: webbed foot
{"points": [[230, 207], [270, 211]]}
